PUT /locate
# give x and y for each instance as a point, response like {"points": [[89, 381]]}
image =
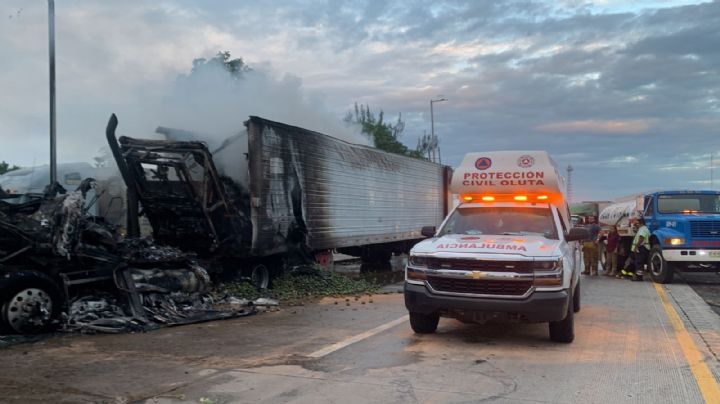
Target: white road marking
{"points": [[357, 338]]}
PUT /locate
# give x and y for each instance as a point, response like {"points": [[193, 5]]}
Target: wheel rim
{"points": [[29, 310], [656, 264], [260, 277]]}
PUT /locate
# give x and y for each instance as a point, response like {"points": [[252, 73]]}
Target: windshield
{"points": [[502, 221], [689, 203]]}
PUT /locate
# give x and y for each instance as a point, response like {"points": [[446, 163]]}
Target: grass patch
{"points": [[296, 286]]}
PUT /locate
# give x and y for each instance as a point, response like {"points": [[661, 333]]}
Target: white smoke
{"points": [[214, 104]]}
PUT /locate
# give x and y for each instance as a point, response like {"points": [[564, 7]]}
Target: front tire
{"points": [[576, 298], [564, 330], [424, 323], [661, 271], [30, 305]]}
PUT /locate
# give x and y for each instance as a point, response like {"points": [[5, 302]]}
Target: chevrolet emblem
{"points": [[475, 275]]}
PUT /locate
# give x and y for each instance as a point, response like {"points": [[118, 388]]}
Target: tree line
{"points": [[6, 167]]}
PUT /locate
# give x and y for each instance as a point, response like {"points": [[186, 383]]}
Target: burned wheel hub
{"points": [[28, 311]]}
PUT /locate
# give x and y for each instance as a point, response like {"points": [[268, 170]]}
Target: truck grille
{"points": [[706, 229], [480, 265], [479, 287]]}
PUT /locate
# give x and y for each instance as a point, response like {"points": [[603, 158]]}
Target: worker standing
{"points": [[590, 247], [611, 252], [641, 248]]}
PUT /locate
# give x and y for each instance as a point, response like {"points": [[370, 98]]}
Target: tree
{"points": [[236, 66], [385, 136], [5, 167], [426, 144]]}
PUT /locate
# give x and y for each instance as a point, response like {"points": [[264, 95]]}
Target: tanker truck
{"points": [[684, 228], [583, 209]]}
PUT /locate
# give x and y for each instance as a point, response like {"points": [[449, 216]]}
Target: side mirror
{"points": [[577, 234], [428, 231]]}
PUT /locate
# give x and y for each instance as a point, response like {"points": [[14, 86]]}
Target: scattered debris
{"points": [[90, 314]]}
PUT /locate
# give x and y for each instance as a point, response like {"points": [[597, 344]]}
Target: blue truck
{"points": [[684, 227]]}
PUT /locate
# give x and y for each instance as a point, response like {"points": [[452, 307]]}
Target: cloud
{"points": [[631, 79], [611, 127]]}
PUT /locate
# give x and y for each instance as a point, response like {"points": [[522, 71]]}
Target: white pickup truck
{"points": [[507, 252]]}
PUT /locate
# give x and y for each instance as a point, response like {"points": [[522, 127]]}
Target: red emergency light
{"points": [[507, 198]]}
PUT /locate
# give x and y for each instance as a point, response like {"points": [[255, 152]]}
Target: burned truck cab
{"points": [[49, 243]]}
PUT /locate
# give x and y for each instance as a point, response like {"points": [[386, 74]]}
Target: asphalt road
{"points": [[629, 348], [707, 285]]}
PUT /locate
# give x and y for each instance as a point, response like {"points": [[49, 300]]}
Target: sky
{"points": [[628, 93]]}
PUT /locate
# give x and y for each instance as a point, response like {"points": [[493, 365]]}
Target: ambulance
{"points": [[506, 252]]}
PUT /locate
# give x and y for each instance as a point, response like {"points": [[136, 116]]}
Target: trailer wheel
{"points": [[576, 298], [30, 304], [376, 256], [424, 323], [260, 277], [661, 271], [564, 330]]}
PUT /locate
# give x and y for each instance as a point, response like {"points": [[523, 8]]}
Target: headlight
{"points": [[675, 241], [418, 261], [548, 273], [547, 265], [415, 269], [412, 274]]}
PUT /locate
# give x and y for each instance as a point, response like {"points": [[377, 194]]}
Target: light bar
{"points": [[475, 198]]}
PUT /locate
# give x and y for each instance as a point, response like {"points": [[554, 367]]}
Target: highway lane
{"points": [[629, 348]]}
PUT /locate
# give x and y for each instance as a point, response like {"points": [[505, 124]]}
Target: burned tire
{"points": [[376, 255], [424, 323], [660, 270], [576, 298], [564, 330], [260, 277], [30, 305]]}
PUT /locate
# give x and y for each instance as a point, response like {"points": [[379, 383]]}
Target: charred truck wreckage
{"points": [[273, 197], [54, 254]]}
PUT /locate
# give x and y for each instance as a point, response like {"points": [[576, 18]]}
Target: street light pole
{"points": [[432, 127], [51, 54]]}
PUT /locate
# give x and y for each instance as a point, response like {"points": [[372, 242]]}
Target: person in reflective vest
{"points": [[641, 248]]}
